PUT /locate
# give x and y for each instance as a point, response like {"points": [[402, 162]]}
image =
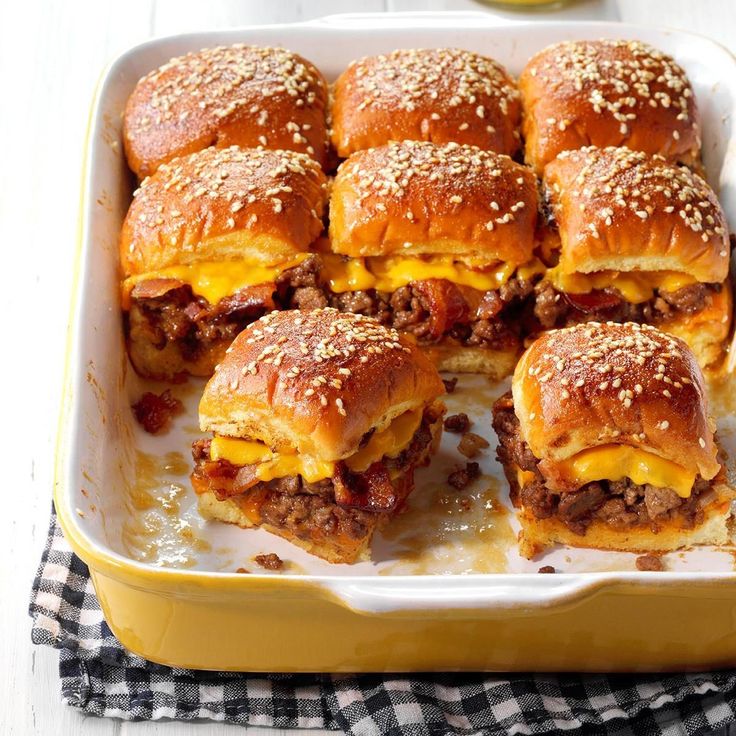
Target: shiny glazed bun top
{"points": [[624, 384], [224, 204], [420, 198], [316, 381], [437, 95], [622, 210], [607, 93], [230, 95]]}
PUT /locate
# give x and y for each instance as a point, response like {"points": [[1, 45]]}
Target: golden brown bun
{"points": [[607, 93], [224, 204], [335, 548], [437, 95], [230, 95], [538, 534], [622, 210], [414, 198], [316, 381], [496, 364], [706, 331], [627, 384]]}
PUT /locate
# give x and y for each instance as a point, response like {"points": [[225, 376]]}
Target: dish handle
{"points": [[475, 594]]}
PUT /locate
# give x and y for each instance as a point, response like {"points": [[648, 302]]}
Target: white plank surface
{"points": [[51, 54]]}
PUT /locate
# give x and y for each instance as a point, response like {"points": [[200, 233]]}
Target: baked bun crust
{"points": [[421, 198], [607, 93], [224, 204], [316, 381], [437, 95], [229, 95], [622, 210], [453, 358], [627, 384], [538, 534]]}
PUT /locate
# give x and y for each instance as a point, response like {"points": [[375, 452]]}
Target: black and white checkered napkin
{"points": [[101, 678]]}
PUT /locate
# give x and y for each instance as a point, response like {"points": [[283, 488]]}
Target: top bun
{"points": [[607, 93], [224, 204], [420, 198], [437, 95], [316, 381], [622, 210], [229, 95], [626, 384]]}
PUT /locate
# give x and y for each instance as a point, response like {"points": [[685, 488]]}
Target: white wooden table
{"points": [[51, 54]]}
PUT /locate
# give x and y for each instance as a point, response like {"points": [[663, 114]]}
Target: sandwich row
{"points": [[572, 94], [319, 419], [449, 244]]}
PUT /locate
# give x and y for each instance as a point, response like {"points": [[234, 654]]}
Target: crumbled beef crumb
{"points": [[649, 563], [546, 570], [471, 444], [457, 423], [243, 571], [461, 477], [154, 413], [450, 384], [271, 561]]}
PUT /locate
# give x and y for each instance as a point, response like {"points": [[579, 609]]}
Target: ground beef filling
{"points": [[431, 310], [555, 309], [178, 316], [620, 504], [345, 504]]}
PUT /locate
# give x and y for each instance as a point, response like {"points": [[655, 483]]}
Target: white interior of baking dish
{"points": [[129, 492]]}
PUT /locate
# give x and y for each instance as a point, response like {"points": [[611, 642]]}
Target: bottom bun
{"points": [[496, 364], [231, 512], [707, 330], [538, 534]]}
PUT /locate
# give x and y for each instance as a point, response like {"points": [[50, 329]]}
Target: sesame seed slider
{"points": [[319, 420], [442, 239], [437, 95], [229, 95], [607, 443], [607, 93], [208, 245], [640, 240]]}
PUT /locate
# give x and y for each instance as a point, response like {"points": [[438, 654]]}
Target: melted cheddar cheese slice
{"points": [[614, 462], [215, 280], [634, 287], [393, 272], [389, 442]]}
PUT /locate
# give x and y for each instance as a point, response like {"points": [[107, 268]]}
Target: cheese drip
{"points": [[615, 462], [634, 287], [216, 280], [389, 442], [392, 272]]}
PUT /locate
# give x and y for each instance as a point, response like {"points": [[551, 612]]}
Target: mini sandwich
{"points": [[607, 93], [640, 240], [319, 421], [230, 95], [438, 95], [211, 242], [439, 242], [606, 442]]}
